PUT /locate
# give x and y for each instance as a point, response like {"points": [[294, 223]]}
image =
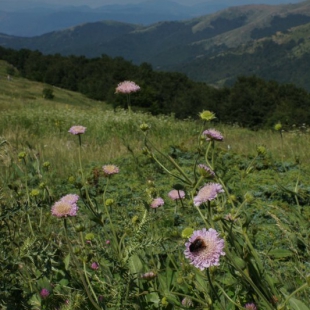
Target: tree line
{"points": [[250, 102]]}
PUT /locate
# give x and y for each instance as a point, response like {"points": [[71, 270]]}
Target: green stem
{"points": [[89, 294], [295, 292], [213, 289], [224, 293]]}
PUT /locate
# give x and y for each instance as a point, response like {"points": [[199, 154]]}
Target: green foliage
{"points": [[48, 93]]}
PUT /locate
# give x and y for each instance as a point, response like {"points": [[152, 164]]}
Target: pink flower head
{"points": [[250, 306], [127, 87], [205, 171], [66, 206], [44, 293], [108, 242], [110, 169], [157, 202], [207, 193], [94, 266], [77, 130], [176, 194], [212, 134], [204, 248]]}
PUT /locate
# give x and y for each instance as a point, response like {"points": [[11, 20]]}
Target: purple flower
{"points": [[110, 169], [77, 130], [176, 194], [207, 193], [66, 206], [204, 248], [94, 266], [250, 306], [205, 171], [127, 87], [212, 134], [157, 202], [44, 293]]}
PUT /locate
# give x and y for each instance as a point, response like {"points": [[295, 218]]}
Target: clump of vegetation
{"points": [[48, 93]]}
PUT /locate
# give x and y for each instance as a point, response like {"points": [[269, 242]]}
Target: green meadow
{"points": [[119, 252]]}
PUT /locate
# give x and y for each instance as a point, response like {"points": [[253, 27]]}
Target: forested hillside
{"points": [[251, 102]]}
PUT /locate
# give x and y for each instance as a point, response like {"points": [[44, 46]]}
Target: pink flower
{"points": [[66, 206], [127, 87], [207, 193], [157, 202], [94, 266], [44, 293], [110, 169], [212, 134], [176, 194], [204, 248], [77, 130], [107, 242], [250, 306]]}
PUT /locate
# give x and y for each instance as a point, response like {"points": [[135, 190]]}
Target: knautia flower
{"points": [[205, 171], [250, 306], [157, 202], [66, 206], [127, 87], [213, 135], [207, 193], [94, 266], [44, 293], [187, 302], [204, 248], [176, 194], [110, 170], [77, 130]]}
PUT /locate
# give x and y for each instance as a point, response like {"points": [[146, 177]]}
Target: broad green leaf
{"points": [[135, 265], [280, 253], [297, 304]]}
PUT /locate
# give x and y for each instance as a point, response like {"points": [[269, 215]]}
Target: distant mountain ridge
{"points": [[215, 48], [29, 19]]}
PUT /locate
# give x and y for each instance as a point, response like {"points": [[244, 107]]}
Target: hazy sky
{"points": [[96, 3]]}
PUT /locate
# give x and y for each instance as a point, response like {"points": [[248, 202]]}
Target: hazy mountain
{"points": [[269, 41], [26, 19]]}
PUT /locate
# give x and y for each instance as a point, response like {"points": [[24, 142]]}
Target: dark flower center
{"points": [[197, 245]]}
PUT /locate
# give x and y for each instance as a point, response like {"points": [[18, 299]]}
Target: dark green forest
{"points": [[250, 102]]}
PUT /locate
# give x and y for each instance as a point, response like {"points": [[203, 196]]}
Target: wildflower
{"points": [[94, 266], [70, 198], [66, 206], [44, 293], [205, 171], [77, 130], [46, 164], [207, 115], [250, 306], [144, 127], [22, 155], [207, 193], [213, 135], [148, 275], [176, 194], [127, 87], [204, 248], [157, 202], [90, 237], [187, 302], [107, 242], [109, 202], [110, 170]]}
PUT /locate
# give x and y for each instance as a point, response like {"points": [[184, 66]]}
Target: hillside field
{"points": [[121, 245]]}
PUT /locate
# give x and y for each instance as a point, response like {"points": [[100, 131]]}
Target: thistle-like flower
{"points": [[77, 130], [205, 171], [157, 202], [250, 306], [66, 206], [207, 193], [213, 135], [44, 293], [127, 87], [110, 170], [204, 248], [176, 194], [207, 115]]}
